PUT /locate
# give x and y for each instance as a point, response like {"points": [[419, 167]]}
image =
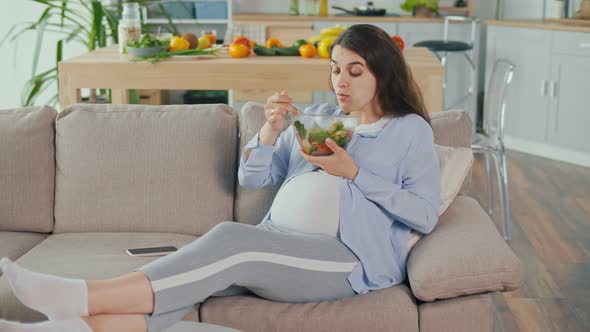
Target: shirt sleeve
{"points": [[416, 201], [267, 164]]}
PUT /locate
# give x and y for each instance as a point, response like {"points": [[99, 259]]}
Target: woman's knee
{"points": [[227, 229]]}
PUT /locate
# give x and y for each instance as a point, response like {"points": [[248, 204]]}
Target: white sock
{"points": [[69, 325], [55, 297]]}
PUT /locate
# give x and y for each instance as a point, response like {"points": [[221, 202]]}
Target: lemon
{"points": [[324, 48]]}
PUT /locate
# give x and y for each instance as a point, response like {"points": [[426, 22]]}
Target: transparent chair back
{"points": [[495, 101]]}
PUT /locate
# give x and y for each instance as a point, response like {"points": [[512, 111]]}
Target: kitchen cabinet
{"points": [[547, 112], [569, 111], [527, 99]]}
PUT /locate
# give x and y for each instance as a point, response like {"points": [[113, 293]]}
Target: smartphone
{"points": [[151, 251]]}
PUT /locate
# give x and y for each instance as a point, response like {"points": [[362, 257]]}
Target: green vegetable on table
{"points": [[147, 41], [271, 51], [157, 57]]}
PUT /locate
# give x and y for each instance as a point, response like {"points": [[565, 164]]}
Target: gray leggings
{"points": [[277, 266]]}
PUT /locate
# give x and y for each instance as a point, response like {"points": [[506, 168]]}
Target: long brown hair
{"points": [[397, 92]]}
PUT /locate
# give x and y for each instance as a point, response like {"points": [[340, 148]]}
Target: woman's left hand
{"points": [[340, 163]]}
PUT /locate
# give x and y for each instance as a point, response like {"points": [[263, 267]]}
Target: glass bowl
{"points": [[313, 129], [145, 51]]}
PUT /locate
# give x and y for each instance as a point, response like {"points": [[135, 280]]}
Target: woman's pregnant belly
{"points": [[309, 203]]}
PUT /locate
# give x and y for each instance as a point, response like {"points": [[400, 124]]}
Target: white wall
{"points": [[14, 71]]}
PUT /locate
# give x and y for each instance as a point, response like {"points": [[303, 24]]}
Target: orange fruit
{"points": [[307, 50], [238, 50], [251, 44], [273, 42]]}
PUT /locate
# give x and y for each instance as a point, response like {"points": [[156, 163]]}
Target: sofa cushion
{"points": [[27, 169], [464, 255], [198, 327], [383, 310], [15, 244], [465, 313], [455, 164], [251, 205], [453, 128], [83, 255], [134, 168]]}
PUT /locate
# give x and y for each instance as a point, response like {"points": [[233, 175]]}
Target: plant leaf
{"points": [[42, 24], [169, 18], [35, 86], [97, 16]]}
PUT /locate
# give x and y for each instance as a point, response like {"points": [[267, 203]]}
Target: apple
{"points": [[204, 42]]}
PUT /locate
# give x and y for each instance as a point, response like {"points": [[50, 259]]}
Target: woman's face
{"points": [[353, 82]]}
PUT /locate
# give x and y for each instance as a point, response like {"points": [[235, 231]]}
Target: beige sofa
{"points": [[79, 187]]}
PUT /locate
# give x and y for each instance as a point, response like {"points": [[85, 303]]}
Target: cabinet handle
{"points": [[544, 88], [585, 45], [553, 89]]}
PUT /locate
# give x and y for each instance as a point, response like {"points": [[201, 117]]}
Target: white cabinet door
{"points": [[569, 116], [527, 100]]}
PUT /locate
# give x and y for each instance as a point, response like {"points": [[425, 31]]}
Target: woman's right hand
{"points": [[276, 111]]}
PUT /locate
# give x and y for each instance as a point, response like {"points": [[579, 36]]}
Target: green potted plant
{"points": [[421, 8], [86, 22]]}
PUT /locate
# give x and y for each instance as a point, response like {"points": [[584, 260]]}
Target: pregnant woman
{"points": [[339, 225]]}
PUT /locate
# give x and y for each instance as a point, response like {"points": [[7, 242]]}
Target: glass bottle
{"points": [[294, 8], [129, 26], [311, 7]]}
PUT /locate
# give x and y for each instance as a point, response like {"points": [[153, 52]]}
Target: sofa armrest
{"points": [[464, 255]]}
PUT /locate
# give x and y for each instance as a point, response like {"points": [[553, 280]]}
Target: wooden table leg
{"points": [[119, 96], [68, 96]]}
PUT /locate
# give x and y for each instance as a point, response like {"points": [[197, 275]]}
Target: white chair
{"points": [[490, 143], [442, 47]]}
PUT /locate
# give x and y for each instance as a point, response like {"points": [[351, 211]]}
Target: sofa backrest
{"points": [[451, 128], [27, 169], [252, 204], [135, 168]]}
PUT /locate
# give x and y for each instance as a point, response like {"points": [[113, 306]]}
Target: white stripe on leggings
{"points": [[208, 270]]}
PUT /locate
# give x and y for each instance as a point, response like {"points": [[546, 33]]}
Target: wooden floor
{"points": [[551, 235]]}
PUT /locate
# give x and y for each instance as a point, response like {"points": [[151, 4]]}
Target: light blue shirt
{"points": [[397, 189]]}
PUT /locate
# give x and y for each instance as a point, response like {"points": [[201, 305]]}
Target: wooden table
{"points": [[106, 68]]}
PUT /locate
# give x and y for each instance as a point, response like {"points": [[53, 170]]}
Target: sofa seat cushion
{"points": [[465, 313], [83, 255], [15, 244], [198, 327], [136, 168], [464, 255], [27, 169], [387, 309]]}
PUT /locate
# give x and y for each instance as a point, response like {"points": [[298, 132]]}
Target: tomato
{"points": [[400, 42], [307, 51], [273, 42], [238, 50], [241, 40]]}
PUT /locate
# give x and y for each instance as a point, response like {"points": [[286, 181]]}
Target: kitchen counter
{"points": [[254, 18], [106, 68], [548, 24]]}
